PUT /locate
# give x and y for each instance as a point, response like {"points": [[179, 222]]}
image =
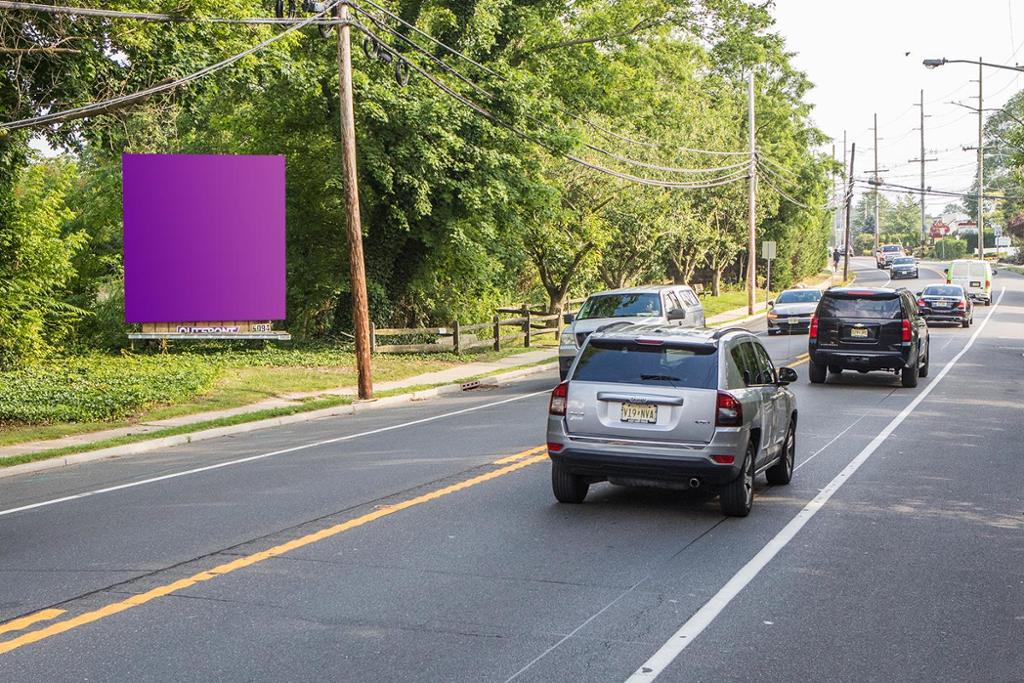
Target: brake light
{"points": [[922, 303], [559, 398], [906, 330], [988, 284], [814, 327], [961, 304], [555, 447], [730, 411], [724, 459]]}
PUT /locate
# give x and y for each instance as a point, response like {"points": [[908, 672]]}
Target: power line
{"points": [[147, 16], [493, 118]]}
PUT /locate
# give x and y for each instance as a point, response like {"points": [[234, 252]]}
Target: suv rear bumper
{"points": [[863, 360], [616, 459]]}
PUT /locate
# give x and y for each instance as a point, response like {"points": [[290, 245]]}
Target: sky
{"points": [[855, 52]]}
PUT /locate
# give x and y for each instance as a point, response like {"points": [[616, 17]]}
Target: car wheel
{"points": [[737, 497], [816, 372], [923, 371], [835, 369], [908, 376], [567, 487], [966, 322], [781, 473]]}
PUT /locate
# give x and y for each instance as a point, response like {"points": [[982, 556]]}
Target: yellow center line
{"points": [[249, 560], [800, 360], [519, 456], [26, 621]]}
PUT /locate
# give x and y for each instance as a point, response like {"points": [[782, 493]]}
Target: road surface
{"points": [[423, 543]]}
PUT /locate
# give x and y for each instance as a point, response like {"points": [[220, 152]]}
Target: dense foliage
{"points": [[460, 213]]}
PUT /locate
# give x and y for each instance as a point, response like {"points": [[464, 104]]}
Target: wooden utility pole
{"points": [[357, 269], [751, 200], [846, 227], [981, 164], [876, 180]]}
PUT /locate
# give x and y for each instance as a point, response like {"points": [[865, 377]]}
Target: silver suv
{"points": [[649, 405], [675, 305]]}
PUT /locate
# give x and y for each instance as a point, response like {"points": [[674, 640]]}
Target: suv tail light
{"points": [[961, 304], [906, 330], [814, 327], [988, 284], [730, 411], [559, 398], [922, 303]]}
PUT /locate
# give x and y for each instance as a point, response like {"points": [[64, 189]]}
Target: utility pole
{"points": [[357, 269], [877, 180], [849, 200], [842, 204], [751, 200], [981, 163], [835, 199], [923, 160]]}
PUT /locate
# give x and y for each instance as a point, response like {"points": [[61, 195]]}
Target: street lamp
{"points": [[933, 63]]}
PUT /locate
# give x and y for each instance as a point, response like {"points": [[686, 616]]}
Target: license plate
{"points": [[975, 284], [859, 332], [639, 412], [941, 304]]}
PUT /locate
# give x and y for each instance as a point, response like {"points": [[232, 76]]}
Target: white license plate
{"points": [[639, 412], [941, 304], [859, 332], [975, 284]]}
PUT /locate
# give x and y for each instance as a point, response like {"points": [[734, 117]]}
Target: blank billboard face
{"points": [[204, 237]]}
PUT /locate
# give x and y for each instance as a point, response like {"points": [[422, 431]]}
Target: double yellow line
{"points": [[510, 464]]}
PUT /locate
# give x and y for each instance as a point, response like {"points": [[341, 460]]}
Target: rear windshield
{"points": [[892, 247], [800, 296], [621, 306], [942, 290], [620, 362], [860, 307]]}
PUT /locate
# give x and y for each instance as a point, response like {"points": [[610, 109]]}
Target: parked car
{"points": [[903, 266], [649, 405], [864, 329], [886, 253], [675, 305], [975, 276], [945, 303], [792, 310]]}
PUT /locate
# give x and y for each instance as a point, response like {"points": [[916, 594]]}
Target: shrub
{"points": [[949, 248], [92, 388]]}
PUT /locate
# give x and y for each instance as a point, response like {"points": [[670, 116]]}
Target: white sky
{"points": [[854, 51]]}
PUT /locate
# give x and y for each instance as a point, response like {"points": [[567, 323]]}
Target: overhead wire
{"points": [[103, 105], [147, 16]]}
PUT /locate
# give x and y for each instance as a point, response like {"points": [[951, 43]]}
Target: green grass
{"points": [[48, 404]]}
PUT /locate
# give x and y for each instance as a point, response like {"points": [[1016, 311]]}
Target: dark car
{"points": [[946, 304], [865, 329], [903, 266]]}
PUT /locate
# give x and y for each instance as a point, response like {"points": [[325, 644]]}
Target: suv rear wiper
{"points": [[664, 378]]}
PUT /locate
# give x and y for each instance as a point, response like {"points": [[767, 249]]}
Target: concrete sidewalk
{"points": [[451, 375]]}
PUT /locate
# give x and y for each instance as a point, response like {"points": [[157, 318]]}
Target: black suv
{"points": [[868, 328]]}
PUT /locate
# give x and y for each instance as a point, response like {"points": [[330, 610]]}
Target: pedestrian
{"points": [[835, 258]]}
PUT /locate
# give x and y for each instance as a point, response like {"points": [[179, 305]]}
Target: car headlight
{"points": [[773, 314], [567, 338]]}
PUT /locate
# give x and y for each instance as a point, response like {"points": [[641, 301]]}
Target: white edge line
{"points": [[261, 456], [713, 607]]}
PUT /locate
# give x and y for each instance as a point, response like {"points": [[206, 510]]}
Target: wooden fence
{"points": [[526, 326]]}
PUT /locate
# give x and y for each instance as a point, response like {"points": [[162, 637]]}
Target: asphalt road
{"points": [[391, 546]]}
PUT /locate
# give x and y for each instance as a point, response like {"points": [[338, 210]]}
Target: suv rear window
{"points": [[887, 308], [623, 362], [891, 247], [621, 306]]}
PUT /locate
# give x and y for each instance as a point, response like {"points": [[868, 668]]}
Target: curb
{"points": [[140, 447]]}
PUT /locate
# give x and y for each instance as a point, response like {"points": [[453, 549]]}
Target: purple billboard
{"points": [[204, 238]]}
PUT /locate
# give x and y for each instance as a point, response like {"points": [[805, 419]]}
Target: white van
{"points": [[974, 276]]}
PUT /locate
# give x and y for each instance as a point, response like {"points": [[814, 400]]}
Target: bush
{"points": [[949, 248], [92, 388]]}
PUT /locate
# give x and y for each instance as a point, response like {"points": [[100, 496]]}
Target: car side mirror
{"points": [[994, 272], [787, 376], [771, 302], [676, 314], [568, 318]]}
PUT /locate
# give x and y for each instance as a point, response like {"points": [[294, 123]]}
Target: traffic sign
{"points": [[768, 250]]}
